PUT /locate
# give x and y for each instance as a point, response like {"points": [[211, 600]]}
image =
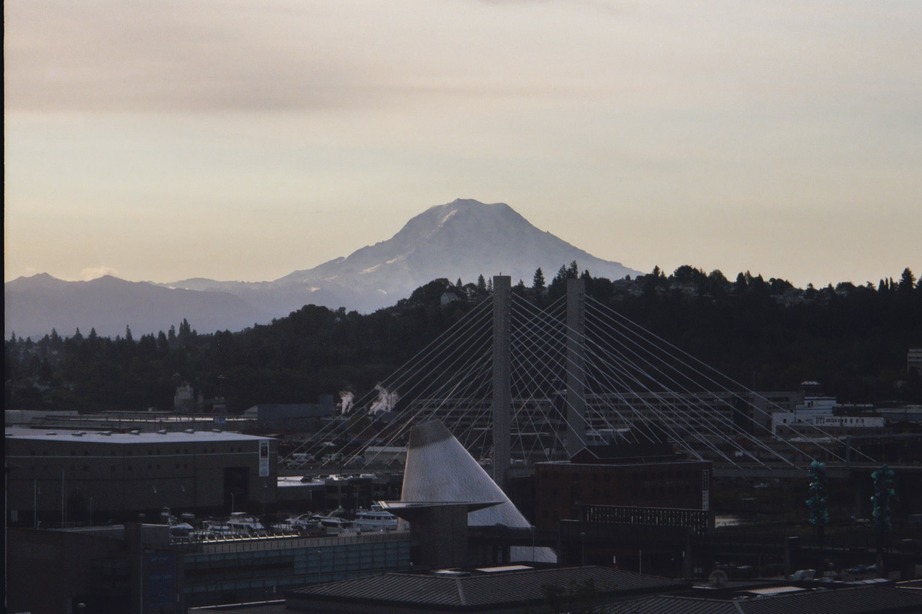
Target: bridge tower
{"points": [[576, 366], [575, 376], [502, 391]]}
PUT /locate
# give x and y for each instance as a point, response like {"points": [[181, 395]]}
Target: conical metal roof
{"points": [[439, 469]]}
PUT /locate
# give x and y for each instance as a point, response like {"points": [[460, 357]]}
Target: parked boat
{"points": [[181, 529], [241, 523], [215, 528], [335, 525], [178, 528], [375, 519], [304, 522]]}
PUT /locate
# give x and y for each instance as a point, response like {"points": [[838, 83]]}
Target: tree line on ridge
{"points": [[766, 334]]}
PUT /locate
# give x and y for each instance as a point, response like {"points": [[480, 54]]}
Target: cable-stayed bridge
{"points": [[520, 383]]}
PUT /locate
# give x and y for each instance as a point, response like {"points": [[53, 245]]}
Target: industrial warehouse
{"points": [[70, 477]]}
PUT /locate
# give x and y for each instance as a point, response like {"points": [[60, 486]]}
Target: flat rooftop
{"points": [[509, 588], [73, 436]]}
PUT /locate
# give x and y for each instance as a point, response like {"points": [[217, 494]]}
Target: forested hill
{"points": [[767, 335]]}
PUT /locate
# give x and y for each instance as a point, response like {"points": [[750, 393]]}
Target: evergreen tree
{"points": [[573, 270], [907, 281], [741, 283], [185, 331], [538, 283]]}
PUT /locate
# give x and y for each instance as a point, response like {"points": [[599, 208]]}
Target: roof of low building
{"points": [[72, 436], [847, 600], [478, 589]]}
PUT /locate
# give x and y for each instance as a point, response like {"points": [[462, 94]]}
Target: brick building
{"points": [[77, 477], [635, 476]]}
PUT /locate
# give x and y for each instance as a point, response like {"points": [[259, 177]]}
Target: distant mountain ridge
{"points": [[462, 239], [33, 306]]}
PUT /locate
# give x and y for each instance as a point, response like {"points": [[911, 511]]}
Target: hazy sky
{"points": [[245, 140]]}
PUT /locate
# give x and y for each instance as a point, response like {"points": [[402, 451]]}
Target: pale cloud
{"points": [[96, 272], [164, 57], [209, 56]]}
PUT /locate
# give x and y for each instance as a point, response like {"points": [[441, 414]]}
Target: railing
{"points": [[699, 521], [274, 542]]}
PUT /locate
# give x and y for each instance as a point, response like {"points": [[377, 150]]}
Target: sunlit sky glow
{"points": [[245, 140]]}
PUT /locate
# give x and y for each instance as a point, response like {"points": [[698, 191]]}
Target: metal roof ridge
{"points": [[460, 586]]}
